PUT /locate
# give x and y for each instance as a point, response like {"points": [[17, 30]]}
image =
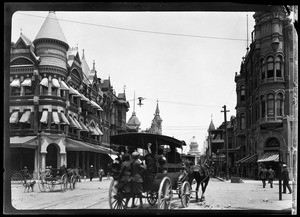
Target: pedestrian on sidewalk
{"points": [[285, 178], [91, 172], [263, 175], [100, 173], [271, 176]]}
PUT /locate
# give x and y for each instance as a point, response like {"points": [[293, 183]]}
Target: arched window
{"points": [[279, 104], [243, 121], [270, 68], [263, 106], [243, 93], [278, 66], [270, 108], [263, 70]]}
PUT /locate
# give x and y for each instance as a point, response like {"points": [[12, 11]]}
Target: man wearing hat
{"points": [[285, 179], [91, 172], [137, 169]]}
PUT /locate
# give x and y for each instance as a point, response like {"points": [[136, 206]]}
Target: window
{"points": [[27, 90], [270, 68], [15, 91], [53, 91], [263, 72], [279, 104], [243, 121], [263, 106], [44, 90], [270, 108], [242, 93], [278, 67]]}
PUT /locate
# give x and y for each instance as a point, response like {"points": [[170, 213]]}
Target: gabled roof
{"points": [[51, 29]]}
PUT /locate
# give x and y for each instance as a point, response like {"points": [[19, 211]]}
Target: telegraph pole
{"points": [[226, 142]]}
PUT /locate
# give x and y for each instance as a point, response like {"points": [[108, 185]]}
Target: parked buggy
{"points": [[53, 178], [170, 180]]}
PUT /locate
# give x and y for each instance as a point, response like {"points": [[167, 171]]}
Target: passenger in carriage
{"points": [[173, 156], [136, 174], [150, 161]]}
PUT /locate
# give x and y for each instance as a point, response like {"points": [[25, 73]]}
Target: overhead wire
{"points": [[143, 31]]}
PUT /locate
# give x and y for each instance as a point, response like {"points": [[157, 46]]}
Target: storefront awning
{"points": [[26, 82], [55, 118], [44, 118], [74, 92], [269, 156], [83, 98], [15, 83], [55, 83], [93, 131], [64, 119], [64, 86], [14, 118], [44, 82], [248, 159], [72, 122], [84, 128], [77, 123], [23, 142], [25, 117], [99, 131], [76, 145]]}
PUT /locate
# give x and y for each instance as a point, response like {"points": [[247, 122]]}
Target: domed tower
{"points": [[133, 123], [194, 149]]}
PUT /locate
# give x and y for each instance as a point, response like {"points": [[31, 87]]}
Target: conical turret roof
{"points": [[51, 29]]}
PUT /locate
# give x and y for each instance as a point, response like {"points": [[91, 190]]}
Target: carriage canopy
{"points": [[140, 140]]}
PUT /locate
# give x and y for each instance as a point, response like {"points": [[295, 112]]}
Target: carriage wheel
{"points": [[63, 182], [165, 194], [73, 181], [185, 194], [16, 178], [51, 185], [152, 197], [116, 199], [42, 182]]}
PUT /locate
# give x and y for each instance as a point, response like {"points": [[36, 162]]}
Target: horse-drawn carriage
{"points": [[165, 184], [52, 177]]}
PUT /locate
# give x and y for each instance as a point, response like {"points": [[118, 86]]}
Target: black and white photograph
{"points": [[150, 108]]}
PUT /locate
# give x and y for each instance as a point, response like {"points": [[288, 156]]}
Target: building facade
{"points": [[266, 88], [61, 113]]}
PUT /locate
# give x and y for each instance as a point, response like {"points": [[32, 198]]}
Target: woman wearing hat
{"points": [[285, 179], [137, 169]]}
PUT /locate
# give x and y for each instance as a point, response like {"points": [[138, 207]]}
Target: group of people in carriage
{"points": [[135, 174]]}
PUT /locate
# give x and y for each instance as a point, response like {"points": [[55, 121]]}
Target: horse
{"points": [[201, 173]]}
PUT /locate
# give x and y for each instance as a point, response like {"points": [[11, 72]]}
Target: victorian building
{"points": [[61, 113], [266, 88]]}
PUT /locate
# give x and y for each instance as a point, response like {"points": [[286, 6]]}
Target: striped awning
{"points": [[98, 130], [44, 82], [93, 131], [44, 118], [248, 159], [55, 83], [25, 117], [26, 82], [83, 98], [15, 83], [64, 86], [55, 118], [84, 128], [74, 92], [14, 118], [76, 145], [23, 142], [72, 122], [64, 119], [269, 156], [94, 104], [77, 123]]}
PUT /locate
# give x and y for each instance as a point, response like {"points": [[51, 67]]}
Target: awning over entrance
{"points": [[23, 142], [75, 145], [269, 156]]}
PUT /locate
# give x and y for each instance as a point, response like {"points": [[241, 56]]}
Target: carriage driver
{"points": [[137, 169]]}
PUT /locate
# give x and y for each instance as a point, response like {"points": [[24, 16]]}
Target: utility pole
{"points": [[226, 142]]}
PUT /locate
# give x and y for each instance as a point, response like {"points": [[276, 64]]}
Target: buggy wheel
{"points": [[117, 200], [42, 182], [165, 194], [73, 181], [152, 197], [64, 183], [16, 178], [185, 194]]}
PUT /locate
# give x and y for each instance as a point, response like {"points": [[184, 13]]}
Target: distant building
{"points": [[194, 151], [156, 126], [61, 113]]}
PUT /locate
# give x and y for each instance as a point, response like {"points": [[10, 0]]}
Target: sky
{"points": [[184, 61]]}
